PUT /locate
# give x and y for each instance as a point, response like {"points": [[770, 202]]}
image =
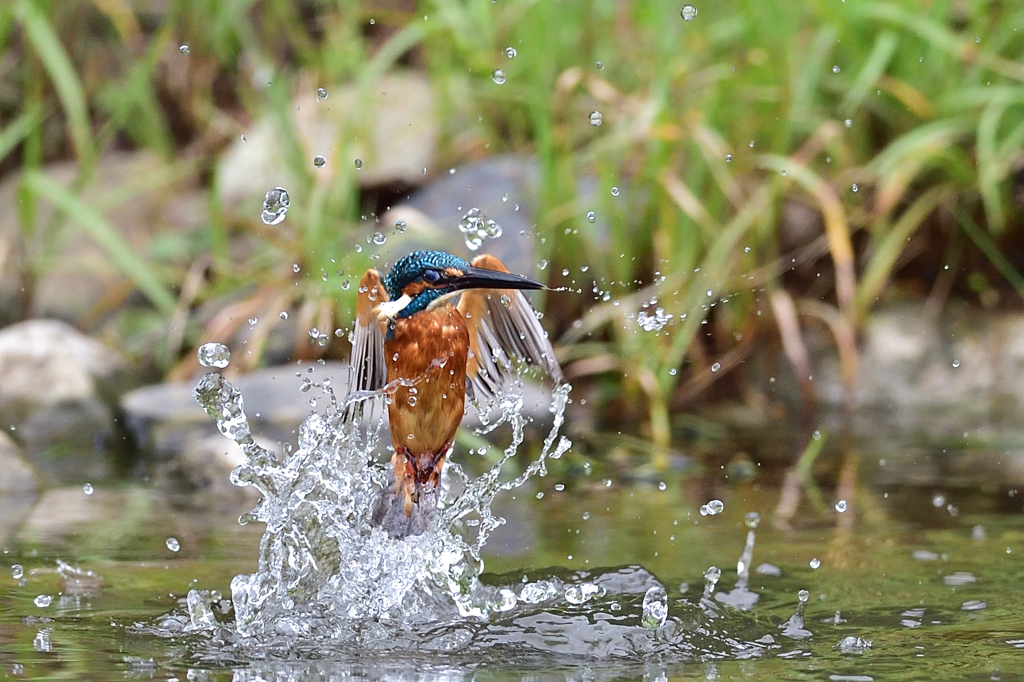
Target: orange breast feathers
{"points": [[429, 348]]}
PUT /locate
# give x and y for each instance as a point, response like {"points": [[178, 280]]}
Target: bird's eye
{"points": [[431, 276]]}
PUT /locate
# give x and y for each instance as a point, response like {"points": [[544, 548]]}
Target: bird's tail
{"points": [[409, 505]]}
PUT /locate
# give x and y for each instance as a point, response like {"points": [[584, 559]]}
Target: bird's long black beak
{"points": [[482, 278]]}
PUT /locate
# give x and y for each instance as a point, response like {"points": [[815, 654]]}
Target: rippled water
{"points": [[588, 578]]}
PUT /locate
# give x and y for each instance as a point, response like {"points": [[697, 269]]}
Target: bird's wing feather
{"points": [[368, 371], [501, 334]]}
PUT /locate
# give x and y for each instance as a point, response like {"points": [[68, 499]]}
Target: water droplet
{"points": [[275, 206], [476, 227], [848, 123], [506, 300], [17, 571], [498, 76], [510, 52], [615, 191], [841, 506], [582, 593], [751, 144], [752, 519], [815, 563], [854, 187], [728, 158], [591, 216], [689, 12], [172, 544], [596, 118], [655, 322], [412, 401], [359, 164], [214, 355], [835, 69], [43, 600], [379, 238], [321, 94], [803, 595], [598, 65], [715, 507], [715, 367], [401, 225], [956, 363], [283, 315], [655, 607], [319, 161], [816, 435], [542, 264], [938, 500], [662, 486], [185, 49], [87, 488]]}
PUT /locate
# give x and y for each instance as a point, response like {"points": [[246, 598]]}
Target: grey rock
{"points": [[506, 190], [167, 422], [394, 134], [17, 477], [199, 476], [54, 382]]}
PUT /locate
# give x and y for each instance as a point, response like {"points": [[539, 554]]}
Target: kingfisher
{"points": [[434, 329]]}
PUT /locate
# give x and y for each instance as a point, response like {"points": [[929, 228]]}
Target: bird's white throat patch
{"points": [[389, 310]]}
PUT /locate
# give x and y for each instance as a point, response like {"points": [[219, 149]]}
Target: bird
{"points": [[427, 350]]}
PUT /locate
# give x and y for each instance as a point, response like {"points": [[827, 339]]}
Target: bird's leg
{"points": [[414, 473]]}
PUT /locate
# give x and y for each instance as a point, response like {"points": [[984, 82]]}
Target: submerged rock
{"points": [[54, 387]]}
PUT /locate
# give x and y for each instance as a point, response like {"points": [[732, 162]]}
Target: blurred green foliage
{"points": [[898, 123]]}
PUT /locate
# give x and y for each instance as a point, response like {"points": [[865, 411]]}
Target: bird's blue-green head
{"points": [[429, 277]]}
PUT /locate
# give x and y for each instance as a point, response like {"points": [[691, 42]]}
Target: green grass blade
{"points": [[18, 130], [991, 251], [62, 72], [874, 67], [93, 223]]}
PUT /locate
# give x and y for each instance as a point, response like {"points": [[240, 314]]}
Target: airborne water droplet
{"points": [[689, 12], [728, 158], [275, 206], [321, 94], [715, 367], [379, 238], [615, 191], [841, 506], [835, 69], [591, 216], [498, 76], [359, 164], [184, 49], [752, 519], [43, 600], [510, 52], [319, 161], [17, 571], [87, 489], [956, 363], [655, 608], [400, 225], [172, 544], [715, 507], [214, 355], [815, 563], [596, 118]]}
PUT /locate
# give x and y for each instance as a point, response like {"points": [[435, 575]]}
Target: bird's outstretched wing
{"points": [[368, 371], [503, 329]]}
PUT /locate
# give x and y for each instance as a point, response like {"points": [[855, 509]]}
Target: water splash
{"points": [[324, 569], [477, 227]]}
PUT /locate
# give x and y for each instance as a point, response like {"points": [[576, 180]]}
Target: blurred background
{"points": [[775, 205]]}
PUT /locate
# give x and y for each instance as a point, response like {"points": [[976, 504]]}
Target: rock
{"points": [[505, 189], [168, 423], [390, 126], [199, 477], [78, 272], [17, 477], [54, 387]]}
